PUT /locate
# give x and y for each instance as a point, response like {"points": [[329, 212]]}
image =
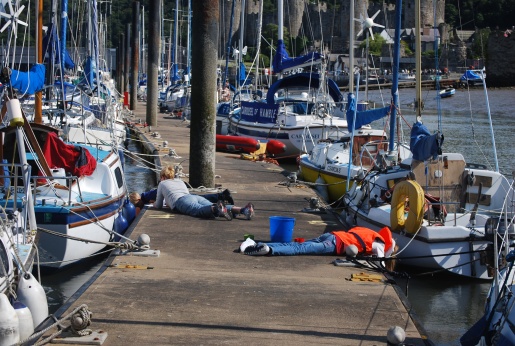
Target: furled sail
{"points": [[282, 61], [423, 144]]}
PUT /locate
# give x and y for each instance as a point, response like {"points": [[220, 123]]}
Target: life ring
{"points": [[412, 190]]}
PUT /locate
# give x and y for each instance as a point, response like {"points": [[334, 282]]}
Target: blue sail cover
{"points": [[51, 45], [364, 117], [29, 82], [308, 80], [471, 76], [243, 74], [282, 61], [174, 72], [90, 71], [423, 144]]}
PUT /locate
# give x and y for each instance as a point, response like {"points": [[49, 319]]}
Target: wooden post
{"points": [[206, 17], [154, 18], [127, 56], [121, 63], [135, 55]]}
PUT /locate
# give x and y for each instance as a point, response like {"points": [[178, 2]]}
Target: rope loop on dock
{"points": [[81, 315]]}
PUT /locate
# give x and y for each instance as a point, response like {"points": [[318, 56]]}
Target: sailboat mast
{"points": [[351, 47], [395, 80], [280, 22], [64, 26], [242, 29], [260, 24], [176, 43], [228, 46], [418, 62], [38, 101], [188, 44]]}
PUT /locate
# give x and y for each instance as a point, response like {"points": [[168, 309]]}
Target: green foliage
{"points": [[264, 61], [270, 32], [407, 49], [374, 46], [479, 44]]}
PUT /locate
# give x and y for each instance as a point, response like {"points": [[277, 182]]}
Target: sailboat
{"points": [[299, 109], [23, 303], [440, 209], [332, 165], [80, 196]]}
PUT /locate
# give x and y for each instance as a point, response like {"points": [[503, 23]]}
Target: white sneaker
{"points": [[248, 242]]}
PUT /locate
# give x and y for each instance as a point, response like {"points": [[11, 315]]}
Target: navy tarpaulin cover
{"points": [[308, 80], [90, 70], [175, 73], [470, 75], [259, 112], [243, 72], [423, 144], [364, 117], [29, 82], [49, 41], [283, 61]]}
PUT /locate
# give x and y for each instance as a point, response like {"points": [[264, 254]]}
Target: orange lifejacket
{"points": [[362, 237]]}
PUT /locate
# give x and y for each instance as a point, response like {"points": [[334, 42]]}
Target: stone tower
{"points": [[427, 13]]}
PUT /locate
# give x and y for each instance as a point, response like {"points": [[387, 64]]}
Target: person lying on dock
{"points": [[175, 193], [357, 240], [149, 197]]}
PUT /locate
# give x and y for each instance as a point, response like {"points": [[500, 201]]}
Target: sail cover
{"points": [[29, 82], [423, 144], [364, 117], [282, 61], [308, 80], [471, 76], [53, 51]]}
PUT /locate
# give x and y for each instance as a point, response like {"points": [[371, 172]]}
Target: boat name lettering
{"points": [[334, 169]]}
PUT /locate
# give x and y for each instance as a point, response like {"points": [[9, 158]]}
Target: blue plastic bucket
{"points": [[281, 229]]}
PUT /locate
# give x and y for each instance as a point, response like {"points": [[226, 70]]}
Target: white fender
{"points": [[31, 293], [26, 324], [9, 328]]}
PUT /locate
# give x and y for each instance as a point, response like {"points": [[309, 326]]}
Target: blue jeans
{"points": [[323, 245], [195, 205]]}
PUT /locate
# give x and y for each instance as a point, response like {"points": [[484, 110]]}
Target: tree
{"points": [[374, 46]]}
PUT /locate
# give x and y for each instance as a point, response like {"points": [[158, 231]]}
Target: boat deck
{"points": [[201, 291]]}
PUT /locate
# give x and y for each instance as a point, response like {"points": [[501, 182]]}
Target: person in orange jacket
{"points": [[357, 240]]}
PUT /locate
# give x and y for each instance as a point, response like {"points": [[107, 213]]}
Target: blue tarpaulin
{"points": [[282, 61], [470, 76], [363, 117], [51, 44], [423, 144], [29, 82]]}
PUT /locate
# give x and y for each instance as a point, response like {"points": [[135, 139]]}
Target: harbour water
{"points": [[446, 306]]}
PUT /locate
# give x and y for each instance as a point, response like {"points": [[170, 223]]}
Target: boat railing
{"points": [[10, 177], [372, 154], [55, 182]]}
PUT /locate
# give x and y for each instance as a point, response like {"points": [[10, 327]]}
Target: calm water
{"points": [[446, 306]]}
